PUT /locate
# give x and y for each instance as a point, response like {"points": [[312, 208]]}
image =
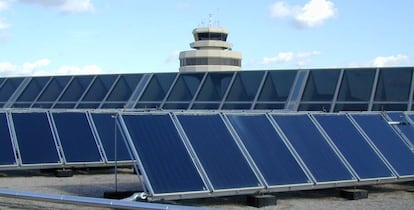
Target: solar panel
{"points": [[404, 126], [362, 157], [105, 126], [273, 158], [7, 156], [312, 147], [164, 160], [76, 138], [35, 139], [218, 153], [388, 142]]}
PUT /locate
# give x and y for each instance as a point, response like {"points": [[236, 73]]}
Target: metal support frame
{"points": [[259, 89], [374, 89], [338, 87], [89, 201], [297, 89]]}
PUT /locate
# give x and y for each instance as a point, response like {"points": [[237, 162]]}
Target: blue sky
{"points": [[51, 37]]}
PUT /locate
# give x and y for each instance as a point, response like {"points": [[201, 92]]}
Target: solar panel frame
{"points": [[354, 116], [140, 164], [225, 190], [322, 183], [102, 143], [6, 130], [65, 152], [59, 160], [343, 150], [245, 149]]}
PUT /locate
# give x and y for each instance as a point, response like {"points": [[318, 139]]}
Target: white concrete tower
{"points": [[212, 52]]}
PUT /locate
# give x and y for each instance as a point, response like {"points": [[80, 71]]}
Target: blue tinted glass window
{"points": [[389, 107], [206, 106], [269, 106], [105, 125], [124, 87], [245, 86], [351, 107], [6, 148], [394, 84], [267, 149], [321, 85], [237, 106], [185, 87], [277, 86], [35, 139], [54, 88], [76, 138], [100, 88], [33, 89], [363, 159], [388, 142], [218, 152], [158, 87], [165, 159], [324, 107], [314, 150], [215, 86], [76, 88], [8, 88], [356, 85]]}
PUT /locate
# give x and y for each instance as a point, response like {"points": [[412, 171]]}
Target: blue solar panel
{"points": [[314, 150], [219, 154], [272, 157], [76, 138], [406, 128], [7, 156], [164, 157], [362, 157], [105, 125], [388, 142], [35, 138]]}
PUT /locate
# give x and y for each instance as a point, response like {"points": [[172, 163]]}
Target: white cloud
{"points": [[282, 57], [299, 58], [28, 68], [393, 60], [65, 6], [71, 70], [3, 6], [40, 67], [312, 14], [280, 10], [3, 25]]}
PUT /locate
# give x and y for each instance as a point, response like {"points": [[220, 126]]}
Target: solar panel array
{"points": [[217, 133], [330, 90], [202, 154], [188, 155], [45, 139]]}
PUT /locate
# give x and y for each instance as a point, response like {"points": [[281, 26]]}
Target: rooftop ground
{"points": [[93, 183]]}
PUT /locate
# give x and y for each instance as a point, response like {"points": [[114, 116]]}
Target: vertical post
{"points": [[115, 152]]}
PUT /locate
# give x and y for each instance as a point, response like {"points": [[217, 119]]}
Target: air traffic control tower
{"points": [[211, 52]]}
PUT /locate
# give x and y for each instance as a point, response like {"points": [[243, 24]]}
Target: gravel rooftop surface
{"points": [[93, 183]]}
